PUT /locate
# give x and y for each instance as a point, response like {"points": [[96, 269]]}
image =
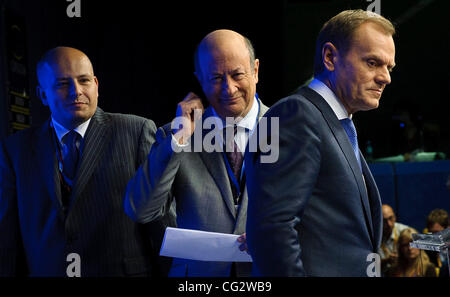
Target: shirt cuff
{"points": [[177, 144]]}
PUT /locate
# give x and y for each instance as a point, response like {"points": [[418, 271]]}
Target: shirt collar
{"points": [[248, 122], [331, 98], [61, 130]]}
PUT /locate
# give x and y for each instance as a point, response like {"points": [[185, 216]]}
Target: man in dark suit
{"points": [[207, 183], [62, 184], [316, 211]]}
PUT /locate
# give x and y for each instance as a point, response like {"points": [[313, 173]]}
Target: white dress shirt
{"points": [[245, 126], [245, 129], [333, 101], [61, 130], [331, 98]]}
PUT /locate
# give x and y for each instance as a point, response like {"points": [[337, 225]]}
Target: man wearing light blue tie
{"points": [[316, 211]]}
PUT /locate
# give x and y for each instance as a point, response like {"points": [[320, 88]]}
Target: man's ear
{"points": [[256, 69], [41, 94], [198, 76], [329, 56], [96, 82]]}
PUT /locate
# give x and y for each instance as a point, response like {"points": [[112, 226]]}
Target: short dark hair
{"points": [[439, 216], [339, 31], [248, 44]]}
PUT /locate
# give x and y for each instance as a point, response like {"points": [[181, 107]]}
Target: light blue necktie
{"points": [[350, 129]]}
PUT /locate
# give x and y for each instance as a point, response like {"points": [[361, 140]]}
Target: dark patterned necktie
{"points": [[236, 159], [350, 129], [70, 153]]}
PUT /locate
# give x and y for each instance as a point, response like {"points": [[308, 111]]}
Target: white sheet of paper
{"points": [[202, 246]]}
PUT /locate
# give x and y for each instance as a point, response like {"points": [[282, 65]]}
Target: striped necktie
{"points": [[236, 159]]}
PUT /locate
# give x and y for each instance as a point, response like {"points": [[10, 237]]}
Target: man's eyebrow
{"points": [[381, 60], [238, 68], [214, 72], [375, 57], [79, 76]]}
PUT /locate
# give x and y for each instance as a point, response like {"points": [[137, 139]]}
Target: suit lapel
{"points": [[375, 203], [96, 139], [44, 154], [242, 210], [262, 109], [241, 219], [345, 145], [215, 163]]}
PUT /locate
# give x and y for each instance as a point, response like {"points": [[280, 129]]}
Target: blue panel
{"points": [[421, 187], [384, 177]]}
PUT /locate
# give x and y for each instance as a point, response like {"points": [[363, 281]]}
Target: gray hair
{"points": [[248, 44]]}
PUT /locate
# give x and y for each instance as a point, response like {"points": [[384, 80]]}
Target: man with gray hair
{"points": [[317, 210], [207, 185]]}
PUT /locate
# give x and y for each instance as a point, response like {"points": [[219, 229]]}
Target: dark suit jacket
{"points": [[34, 229], [309, 213], [199, 183]]}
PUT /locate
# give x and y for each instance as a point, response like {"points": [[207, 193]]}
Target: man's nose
{"points": [[229, 86], [383, 76], [75, 89]]}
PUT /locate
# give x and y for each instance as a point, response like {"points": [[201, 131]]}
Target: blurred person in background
{"points": [[391, 231], [411, 262], [437, 221]]}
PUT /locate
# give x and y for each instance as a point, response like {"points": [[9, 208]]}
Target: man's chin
{"points": [[80, 117], [371, 104], [231, 113]]}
